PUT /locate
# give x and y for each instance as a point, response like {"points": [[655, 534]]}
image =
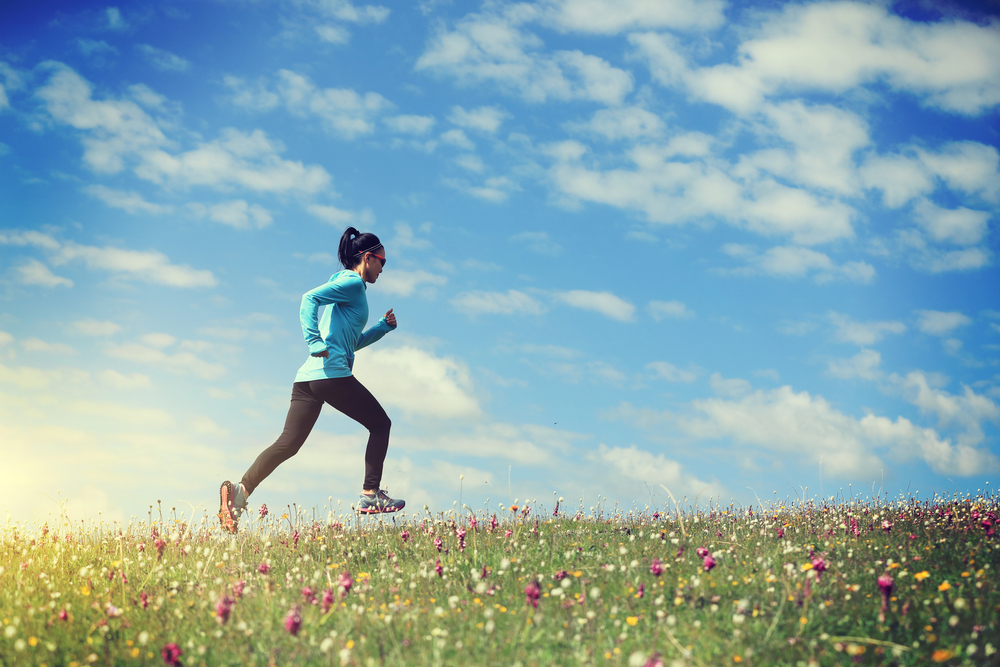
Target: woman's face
{"points": [[372, 265]]}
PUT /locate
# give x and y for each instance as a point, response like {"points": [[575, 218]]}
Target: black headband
{"points": [[361, 252]]}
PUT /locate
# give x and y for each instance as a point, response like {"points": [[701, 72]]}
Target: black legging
{"points": [[345, 394]]}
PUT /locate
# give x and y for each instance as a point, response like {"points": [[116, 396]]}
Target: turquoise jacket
{"points": [[341, 330]]}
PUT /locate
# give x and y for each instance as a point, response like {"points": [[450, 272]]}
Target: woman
{"points": [[326, 377]]}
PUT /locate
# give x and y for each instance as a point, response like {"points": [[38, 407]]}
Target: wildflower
{"points": [[819, 566], [142, 547], [160, 545], [632, 620], [702, 552], [438, 568], [345, 582], [508, 533], [885, 585], [912, 537], [920, 576], [560, 575], [295, 538], [485, 573], [63, 615], [307, 596], [654, 661], [944, 587], [532, 592], [438, 543], [514, 508], [781, 533], [172, 654], [405, 535], [941, 655], [472, 521], [262, 510], [327, 600], [238, 587], [655, 568], [222, 609], [263, 568], [293, 621], [639, 593], [144, 599], [886, 525], [112, 610], [708, 563], [124, 578]]}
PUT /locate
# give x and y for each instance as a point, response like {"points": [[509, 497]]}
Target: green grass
{"points": [[599, 602]]}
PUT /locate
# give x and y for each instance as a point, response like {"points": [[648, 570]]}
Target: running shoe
{"points": [[379, 502], [229, 510]]}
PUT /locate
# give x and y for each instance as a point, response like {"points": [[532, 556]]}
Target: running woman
{"points": [[326, 377]]}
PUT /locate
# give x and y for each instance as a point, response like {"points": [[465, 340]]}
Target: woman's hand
{"points": [[390, 319]]}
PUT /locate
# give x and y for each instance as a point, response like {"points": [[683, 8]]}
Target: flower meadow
{"points": [[850, 581]]}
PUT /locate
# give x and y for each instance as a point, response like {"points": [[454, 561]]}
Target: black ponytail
{"points": [[353, 244]]}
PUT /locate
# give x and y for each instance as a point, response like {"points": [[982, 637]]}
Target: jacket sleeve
{"points": [[380, 329], [336, 291]]}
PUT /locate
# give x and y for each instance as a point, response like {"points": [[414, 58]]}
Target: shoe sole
{"points": [[226, 517], [388, 510]]}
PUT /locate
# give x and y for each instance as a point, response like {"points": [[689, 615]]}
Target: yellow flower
{"points": [[941, 655], [943, 587], [807, 566], [33, 641], [737, 658], [135, 652], [350, 643], [803, 620], [920, 576], [632, 620], [84, 590]]}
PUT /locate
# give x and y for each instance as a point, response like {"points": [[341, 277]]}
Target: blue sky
{"points": [[722, 249]]}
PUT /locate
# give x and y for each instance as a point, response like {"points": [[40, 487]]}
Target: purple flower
{"points": [[560, 575], [885, 584], [781, 533], [222, 609], [143, 599], [532, 592], [263, 510], [493, 522], [327, 600], [293, 621], [460, 533], [655, 568], [238, 587], [405, 535], [438, 568], [819, 566], [307, 596], [654, 661], [263, 568], [172, 654], [708, 563], [641, 591], [345, 582], [702, 552], [438, 543]]}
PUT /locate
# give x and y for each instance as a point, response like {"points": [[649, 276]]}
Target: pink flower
{"points": [[460, 533], [560, 575], [819, 566], [438, 568], [327, 600], [438, 543], [493, 522], [701, 551], [143, 600], [295, 538], [172, 654], [263, 510], [223, 608], [508, 533], [63, 615], [405, 535], [293, 621], [263, 568], [885, 585], [654, 661], [781, 533], [160, 545], [655, 568], [142, 547], [307, 596], [708, 563], [532, 592], [112, 610], [345, 582], [642, 589], [886, 525], [238, 587], [472, 521]]}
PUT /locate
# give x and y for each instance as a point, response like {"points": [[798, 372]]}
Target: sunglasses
{"points": [[381, 258]]}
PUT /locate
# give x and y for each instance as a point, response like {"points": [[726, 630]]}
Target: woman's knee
{"points": [[382, 425]]}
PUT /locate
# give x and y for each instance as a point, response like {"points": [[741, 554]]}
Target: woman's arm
{"points": [[384, 326], [336, 291]]}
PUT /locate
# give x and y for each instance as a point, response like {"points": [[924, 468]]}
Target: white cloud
{"points": [[938, 323], [729, 387], [339, 217], [418, 382], [117, 380], [163, 60], [33, 272], [181, 363], [863, 365], [470, 162], [495, 189], [115, 20], [610, 17], [91, 327], [969, 409], [457, 138], [794, 262], [151, 267], [121, 414], [38, 345], [630, 123], [835, 47], [158, 340], [237, 214], [89, 47], [343, 10], [537, 242], [661, 310], [671, 373], [862, 333], [118, 131], [497, 303], [334, 34], [604, 303], [492, 48], [344, 112], [961, 226], [409, 124], [405, 283], [128, 201], [483, 119], [655, 469]]}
